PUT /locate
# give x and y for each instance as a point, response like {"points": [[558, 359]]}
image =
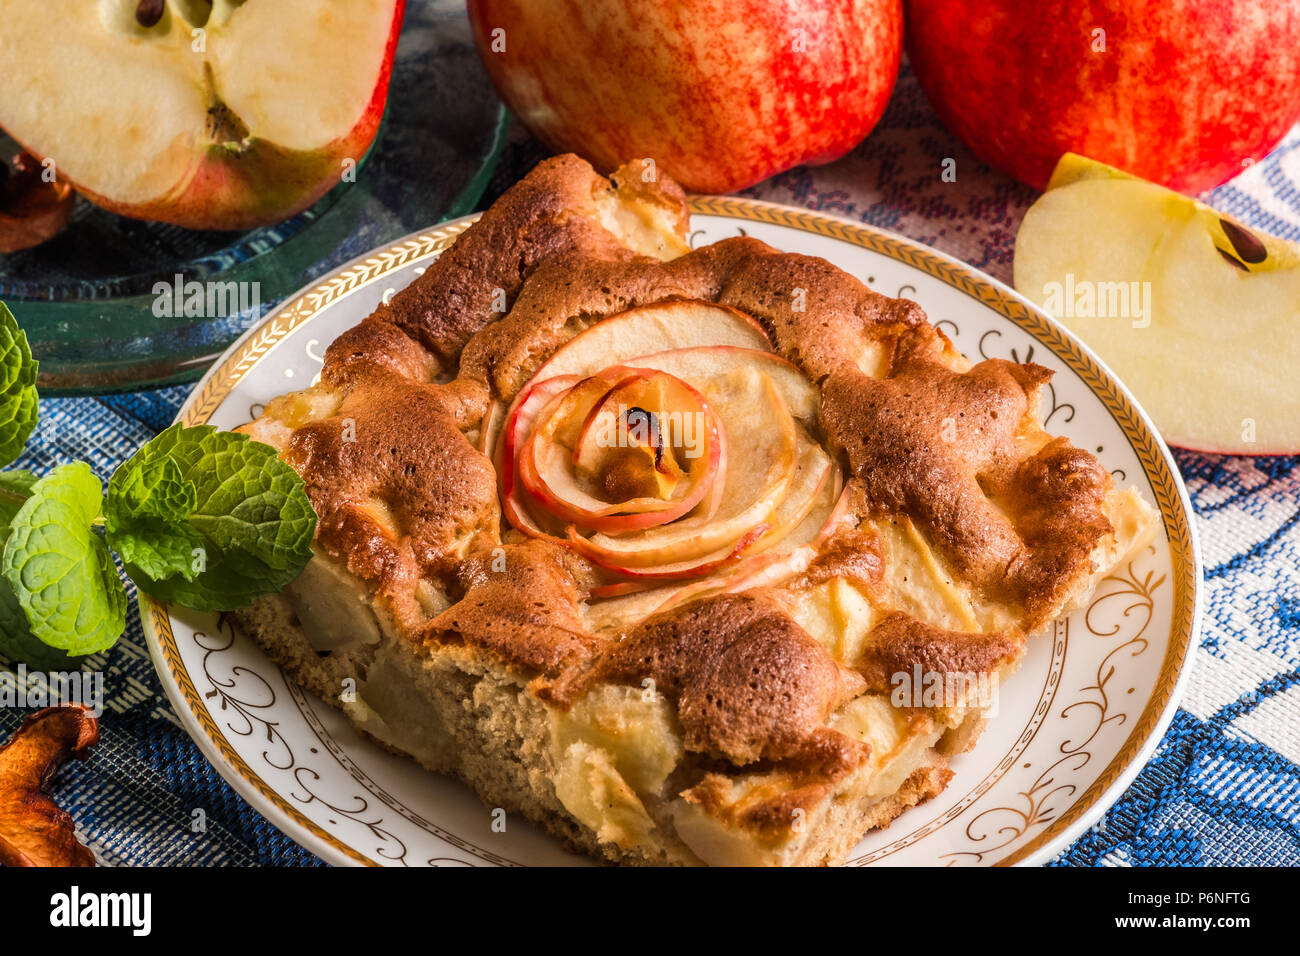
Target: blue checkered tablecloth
{"points": [[1223, 787]]}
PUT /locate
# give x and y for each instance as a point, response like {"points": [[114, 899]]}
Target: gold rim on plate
{"points": [[1151, 451]]}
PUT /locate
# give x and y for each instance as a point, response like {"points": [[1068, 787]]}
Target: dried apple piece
{"points": [[32, 210], [33, 830]]}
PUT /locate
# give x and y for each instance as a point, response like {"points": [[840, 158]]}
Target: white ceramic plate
{"points": [[1075, 724]]}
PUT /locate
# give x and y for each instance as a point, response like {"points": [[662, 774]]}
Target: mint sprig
{"points": [[146, 517], [209, 520], [203, 519]]}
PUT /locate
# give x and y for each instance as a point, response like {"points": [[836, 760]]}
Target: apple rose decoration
{"points": [[666, 443]]}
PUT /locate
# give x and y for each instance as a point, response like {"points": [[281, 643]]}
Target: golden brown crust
{"points": [[1059, 496], [396, 485], [854, 554], [899, 643], [549, 215], [519, 602], [747, 683]]}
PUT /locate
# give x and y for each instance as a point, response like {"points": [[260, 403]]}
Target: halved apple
{"points": [[212, 115], [1195, 312]]}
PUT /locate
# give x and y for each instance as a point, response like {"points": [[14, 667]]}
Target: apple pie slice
{"points": [[647, 544]]}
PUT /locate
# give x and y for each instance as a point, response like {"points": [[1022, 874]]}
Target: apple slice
{"points": [[731, 553], [704, 362], [650, 329], [791, 555], [519, 420], [712, 435], [221, 115], [1193, 311], [797, 515], [544, 472]]}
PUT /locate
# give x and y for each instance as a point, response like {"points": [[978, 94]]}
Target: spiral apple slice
{"points": [[546, 461], [731, 554], [705, 444], [756, 419], [809, 489]]}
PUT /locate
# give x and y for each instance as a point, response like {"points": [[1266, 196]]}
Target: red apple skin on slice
{"points": [[791, 556], [604, 420], [245, 131], [694, 568], [519, 419], [618, 518], [793, 511], [739, 529]]}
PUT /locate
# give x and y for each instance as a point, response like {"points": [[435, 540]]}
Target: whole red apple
{"points": [[1182, 92], [721, 93], [207, 115]]}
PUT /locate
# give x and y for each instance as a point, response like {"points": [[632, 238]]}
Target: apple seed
{"points": [[149, 12], [31, 210], [1244, 242]]}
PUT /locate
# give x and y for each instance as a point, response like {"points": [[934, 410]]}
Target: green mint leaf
{"points": [[16, 641], [60, 570], [18, 409], [15, 489], [245, 532], [147, 519]]}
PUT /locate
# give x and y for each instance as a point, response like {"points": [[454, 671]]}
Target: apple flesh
{"points": [[212, 116], [1207, 339], [722, 93], [1179, 92], [651, 330], [703, 362]]}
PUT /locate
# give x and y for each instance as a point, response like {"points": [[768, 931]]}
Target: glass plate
{"points": [[86, 298]]}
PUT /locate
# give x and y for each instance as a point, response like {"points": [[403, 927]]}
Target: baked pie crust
{"points": [[665, 657]]}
